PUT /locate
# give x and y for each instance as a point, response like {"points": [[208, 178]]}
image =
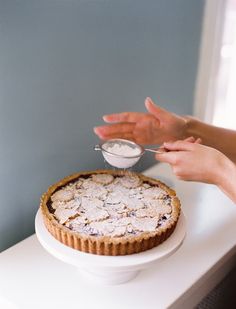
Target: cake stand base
{"points": [[108, 277], [110, 269]]}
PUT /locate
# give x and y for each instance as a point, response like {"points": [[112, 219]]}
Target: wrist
{"points": [[191, 127], [226, 178]]}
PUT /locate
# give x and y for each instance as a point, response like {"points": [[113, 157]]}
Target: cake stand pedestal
{"points": [[110, 269]]}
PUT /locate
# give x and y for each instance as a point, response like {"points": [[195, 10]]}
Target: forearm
{"points": [[219, 138], [226, 179]]}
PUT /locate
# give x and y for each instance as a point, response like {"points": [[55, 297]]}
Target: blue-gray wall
{"points": [[65, 63]]}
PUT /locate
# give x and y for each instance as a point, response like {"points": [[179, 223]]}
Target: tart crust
{"points": [[107, 245]]}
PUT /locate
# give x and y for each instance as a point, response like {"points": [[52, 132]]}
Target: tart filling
{"points": [[108, 208]]}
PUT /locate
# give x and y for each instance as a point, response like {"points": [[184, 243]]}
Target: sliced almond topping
{"points": [[62, 195], [104, 179]]}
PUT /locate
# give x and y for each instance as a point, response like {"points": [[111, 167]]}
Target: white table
{"points": [[30, 278]]}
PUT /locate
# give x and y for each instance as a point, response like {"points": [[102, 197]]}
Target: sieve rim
{"points": [[142, 150]]}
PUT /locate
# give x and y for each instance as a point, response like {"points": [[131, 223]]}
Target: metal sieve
{"points": [[122, 160]]}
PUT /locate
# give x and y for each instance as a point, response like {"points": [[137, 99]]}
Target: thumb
{"points": [[153, 109], [179, 145]]}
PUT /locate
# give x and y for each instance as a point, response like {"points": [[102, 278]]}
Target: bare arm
{"points": [[196, 162], [220, 138]]}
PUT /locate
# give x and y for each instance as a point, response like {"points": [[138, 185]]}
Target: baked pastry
{"points": [[110, 212]]}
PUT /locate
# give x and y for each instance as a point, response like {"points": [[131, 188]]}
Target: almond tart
{"points": [[108, 212]]}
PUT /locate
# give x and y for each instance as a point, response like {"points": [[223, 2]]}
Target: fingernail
{"points": [[98, 130], [148, 99], [166, 144]]}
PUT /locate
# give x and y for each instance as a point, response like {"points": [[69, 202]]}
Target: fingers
{"points": [[198, 141], [179, 145], [167, 157], [192, 139], [153, 108], [173, 149], [119, 130], [134, 116], [123, 117], [125, 136], [128, 136]]}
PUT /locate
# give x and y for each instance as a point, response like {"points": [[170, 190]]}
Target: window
{"points": [[215, 97], [225, 93]]}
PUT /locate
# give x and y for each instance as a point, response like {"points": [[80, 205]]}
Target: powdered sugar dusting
{"points": [[116, 206], [122, 150]]}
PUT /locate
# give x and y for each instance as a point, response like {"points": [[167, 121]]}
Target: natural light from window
{"points": [[225, 94]]}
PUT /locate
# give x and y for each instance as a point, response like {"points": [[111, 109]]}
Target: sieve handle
{"points": [[159, 150]]}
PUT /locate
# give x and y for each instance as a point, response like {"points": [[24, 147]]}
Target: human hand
{"points": [[154, 127], [192, 161]]}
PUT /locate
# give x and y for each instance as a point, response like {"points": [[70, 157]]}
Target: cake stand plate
{"points": [[110, 269]]}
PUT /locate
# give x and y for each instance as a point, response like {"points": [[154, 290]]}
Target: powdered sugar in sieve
{"points": [[122, 153]]}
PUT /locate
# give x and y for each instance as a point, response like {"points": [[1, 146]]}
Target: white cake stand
{"points": [[110, 269]]}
